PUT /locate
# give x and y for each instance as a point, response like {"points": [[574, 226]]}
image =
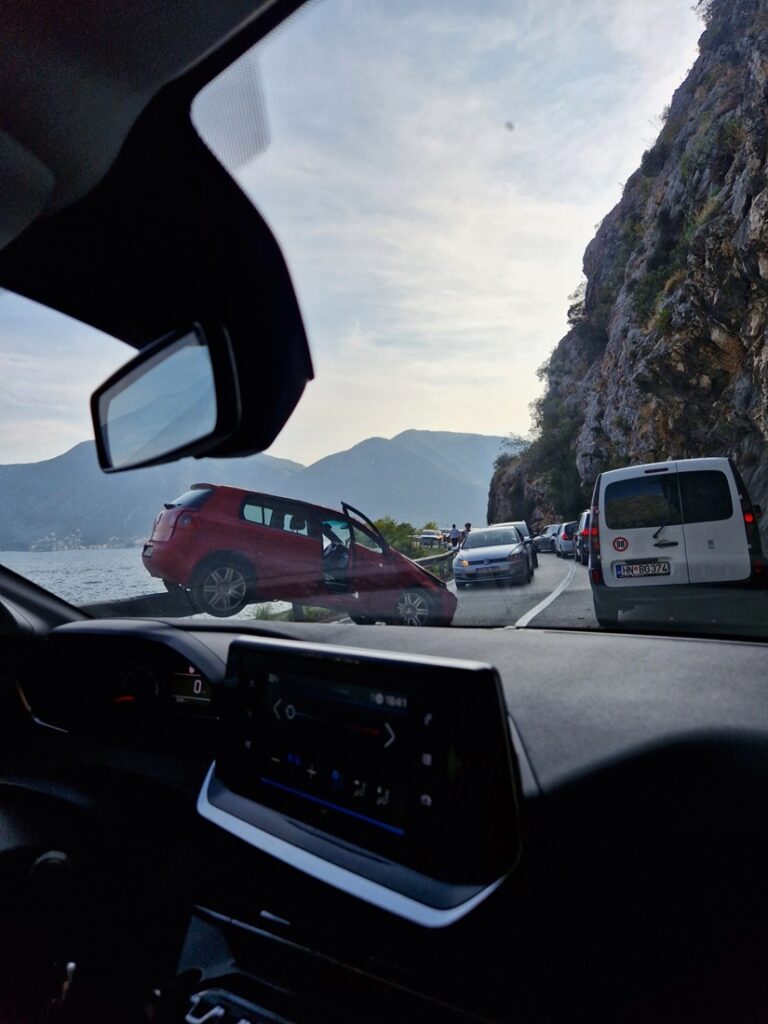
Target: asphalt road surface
{"points": [[560, 597], [502, 604]]}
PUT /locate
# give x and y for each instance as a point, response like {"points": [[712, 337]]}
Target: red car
{"points": [[230, 547]]}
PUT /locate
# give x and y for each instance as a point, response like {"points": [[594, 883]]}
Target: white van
{"points": [[665, 524]]}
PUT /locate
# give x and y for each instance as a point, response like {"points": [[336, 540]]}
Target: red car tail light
{"points": [[188, 520]]}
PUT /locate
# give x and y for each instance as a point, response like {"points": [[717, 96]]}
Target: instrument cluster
{"points": [[135, 692]]}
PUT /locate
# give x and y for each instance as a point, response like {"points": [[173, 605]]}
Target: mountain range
{"points": [[417, 476]]}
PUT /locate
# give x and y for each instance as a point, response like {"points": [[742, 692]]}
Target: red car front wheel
{"points": [[413, 608]]}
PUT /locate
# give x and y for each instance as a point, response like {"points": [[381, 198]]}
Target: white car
{"points": [[431, 539], [564, 540], [668, 525]]}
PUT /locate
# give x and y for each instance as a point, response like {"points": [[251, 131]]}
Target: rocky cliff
{"points": [[667, 354]]}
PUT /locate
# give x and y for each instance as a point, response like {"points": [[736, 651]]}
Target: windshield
{"points": [[528, 246], [491, 538]]}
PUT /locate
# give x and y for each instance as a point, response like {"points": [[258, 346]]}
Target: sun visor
{"points": [[27, 188]]}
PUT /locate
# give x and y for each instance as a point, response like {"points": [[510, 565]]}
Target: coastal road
{"points": [[560, 597], [559, 591]]}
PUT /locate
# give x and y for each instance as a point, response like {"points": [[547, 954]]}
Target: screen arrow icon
{"points": [[276, 708], [391, 735]]}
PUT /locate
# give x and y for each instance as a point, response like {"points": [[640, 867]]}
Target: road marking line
{"points": [[533, 612]]}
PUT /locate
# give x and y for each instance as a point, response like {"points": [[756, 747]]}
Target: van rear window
{"points": [[642, 501], [706, 496]]}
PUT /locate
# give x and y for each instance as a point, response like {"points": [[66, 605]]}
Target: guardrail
{"points": [[441, 565]]}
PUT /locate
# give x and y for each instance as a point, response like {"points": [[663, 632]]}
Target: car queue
{"points": [[654, 533]]}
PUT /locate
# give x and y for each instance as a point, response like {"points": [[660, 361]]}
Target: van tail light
{"points": [[750, 525], [188, 521], [585, 533], [594, 544], [563, 535]]}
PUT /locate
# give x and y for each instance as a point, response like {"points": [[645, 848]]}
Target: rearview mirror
{"points": [[178, 397]]}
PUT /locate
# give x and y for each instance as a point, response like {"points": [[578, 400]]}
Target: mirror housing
{"points": [[178, 397]]}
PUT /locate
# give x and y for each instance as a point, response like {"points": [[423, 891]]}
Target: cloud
{"points": [[410, 215], [49, 365]]}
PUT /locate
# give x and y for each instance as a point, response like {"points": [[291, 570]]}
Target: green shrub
{"points": [[399, 535], [664, 321], [653, 159], [647, 292]]}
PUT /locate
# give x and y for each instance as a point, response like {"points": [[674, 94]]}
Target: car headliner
{"points": [[61, 131]]}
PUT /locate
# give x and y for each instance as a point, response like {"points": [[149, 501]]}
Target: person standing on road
{"points": [[454, 536], [465, 532]]}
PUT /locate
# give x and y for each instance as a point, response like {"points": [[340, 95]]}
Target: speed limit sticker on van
{"points": [[620, 543]]}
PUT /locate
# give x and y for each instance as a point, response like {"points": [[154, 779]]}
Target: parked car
{"points": [[229, 547], [431, 539], [659, 528], [545, 539], [525, 533], [581, 538], [495, 554], [564, 543]]}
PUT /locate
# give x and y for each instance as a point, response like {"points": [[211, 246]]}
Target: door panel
{"points": [[285, 548], [715, 537], [641, 525]]}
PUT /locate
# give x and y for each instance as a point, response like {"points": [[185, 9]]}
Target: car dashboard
{"points": [[607, 858]]}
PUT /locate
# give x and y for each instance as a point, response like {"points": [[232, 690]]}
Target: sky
{"points": [[433, 174]]}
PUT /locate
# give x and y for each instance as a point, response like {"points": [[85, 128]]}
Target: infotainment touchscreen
{"points": [[405, 758]]}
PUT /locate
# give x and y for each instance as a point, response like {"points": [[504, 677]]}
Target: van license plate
{"points": [[624, 569]]}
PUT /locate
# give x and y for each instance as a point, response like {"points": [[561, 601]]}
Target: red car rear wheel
{"points": [[222, 586]]}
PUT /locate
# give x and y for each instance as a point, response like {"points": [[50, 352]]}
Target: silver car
{"points": [[494, 554], [545, 540]]}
